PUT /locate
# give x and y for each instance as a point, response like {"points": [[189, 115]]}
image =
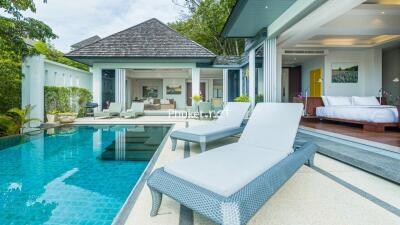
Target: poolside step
{"points": [[136, 155], [374, 162], [133, 147]]}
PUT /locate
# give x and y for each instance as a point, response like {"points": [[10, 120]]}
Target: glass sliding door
{"points": [[108, 87], [233, 84]]}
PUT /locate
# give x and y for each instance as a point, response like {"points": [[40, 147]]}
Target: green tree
{"points": [[205, 23], [53, 54], [15, 29]]}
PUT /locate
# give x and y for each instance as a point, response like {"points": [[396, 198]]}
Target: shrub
{"points": [[66, 99], [259, 98], [242, 98], [196, 98]]}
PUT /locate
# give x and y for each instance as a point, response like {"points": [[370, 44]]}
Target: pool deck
{"points": [[329, 193]]}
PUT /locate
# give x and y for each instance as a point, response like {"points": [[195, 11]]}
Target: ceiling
{"points": [[368, 25], [296, 60]]}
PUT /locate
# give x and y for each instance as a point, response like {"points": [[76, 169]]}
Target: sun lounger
{"points": [[114, 110], [231, 183], [137, 109], [228, 123]]}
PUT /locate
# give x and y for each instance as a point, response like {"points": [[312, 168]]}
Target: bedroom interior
{"points": [[346, 70], [353, 86]]}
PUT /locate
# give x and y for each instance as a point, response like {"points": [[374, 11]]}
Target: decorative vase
{"points": [[51, 118]]}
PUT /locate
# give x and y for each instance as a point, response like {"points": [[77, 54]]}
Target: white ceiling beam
{"points": [[289, 16]]}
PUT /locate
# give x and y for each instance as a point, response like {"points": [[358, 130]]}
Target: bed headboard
{"points": [[314, 102]]}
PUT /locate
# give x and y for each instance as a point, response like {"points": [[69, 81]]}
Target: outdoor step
{"points": [[129, 155], [134, 147], [373, 162]]}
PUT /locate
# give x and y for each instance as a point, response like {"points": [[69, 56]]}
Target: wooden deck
{"points": [[391, 136]]}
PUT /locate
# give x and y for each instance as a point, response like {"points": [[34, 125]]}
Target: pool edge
{"points": [[130, 201]]}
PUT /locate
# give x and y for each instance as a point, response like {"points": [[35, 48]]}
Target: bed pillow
{"points": [[371, 100], [333, 100], [325, 100]]}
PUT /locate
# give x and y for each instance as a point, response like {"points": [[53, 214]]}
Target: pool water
{"points": [[73, 174]]}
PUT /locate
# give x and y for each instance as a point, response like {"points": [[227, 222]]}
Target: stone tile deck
{"points": [[331, 193]]}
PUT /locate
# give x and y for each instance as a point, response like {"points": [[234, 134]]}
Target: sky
{"points": [[76, 20]]}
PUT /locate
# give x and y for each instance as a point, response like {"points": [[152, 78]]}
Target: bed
{"points": [[366, 111], [371, 114]]}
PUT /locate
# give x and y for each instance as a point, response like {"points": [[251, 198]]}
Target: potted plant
{"points": [[52, 116], [196, 99], [67, 117]]}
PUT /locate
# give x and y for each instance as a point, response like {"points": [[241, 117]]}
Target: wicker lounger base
{"points": [[238, 208], [202, 139]]}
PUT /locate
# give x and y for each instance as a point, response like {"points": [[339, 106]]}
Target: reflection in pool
{"points": [[73, 174]]}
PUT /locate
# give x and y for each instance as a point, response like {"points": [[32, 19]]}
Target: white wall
{"points": [[60, 75], [137, 87], [179, 99], [369, 72], [306, 68], [285, 85], [39, 72]]}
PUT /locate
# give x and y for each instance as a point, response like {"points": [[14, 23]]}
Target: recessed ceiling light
{"points": [[294, 59], [383, 12], [266, 7]]}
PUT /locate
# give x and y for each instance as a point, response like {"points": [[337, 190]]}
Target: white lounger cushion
{"points": [[206, 129], [233, 114], [273, 126], [267, 139], [226, 169]]}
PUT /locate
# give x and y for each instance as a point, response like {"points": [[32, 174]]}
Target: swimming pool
{"points": [[73, 174]]}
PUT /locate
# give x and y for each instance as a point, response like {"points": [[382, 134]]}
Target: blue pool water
{"points": [[59, 176]]}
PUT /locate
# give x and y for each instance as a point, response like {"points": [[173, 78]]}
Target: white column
{"points": [[279, 74], [271, 86], [195, 82], [33, 86], [210, 89], [225, 85], [128, 92], [97, 86], [120, 145], [252, 77], [120, 86], [241, 81]]}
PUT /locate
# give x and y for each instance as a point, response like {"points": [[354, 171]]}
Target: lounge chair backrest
{"points": [[205, 107], [115, 107], [273, 126], [233, 114], [137, 106]]}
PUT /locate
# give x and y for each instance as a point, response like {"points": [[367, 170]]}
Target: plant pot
{"points": [[51, 118], [67, 119]]}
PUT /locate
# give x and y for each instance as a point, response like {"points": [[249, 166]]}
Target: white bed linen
{"points": [[375, 114]]}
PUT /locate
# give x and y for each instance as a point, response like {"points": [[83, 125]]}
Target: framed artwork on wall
{"points": [[174, 89], [150, 92], [344, 73]]}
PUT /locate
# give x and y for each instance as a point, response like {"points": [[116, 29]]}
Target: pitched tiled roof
{"points": [[151, 39], [227, 60], [86, 42]]}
